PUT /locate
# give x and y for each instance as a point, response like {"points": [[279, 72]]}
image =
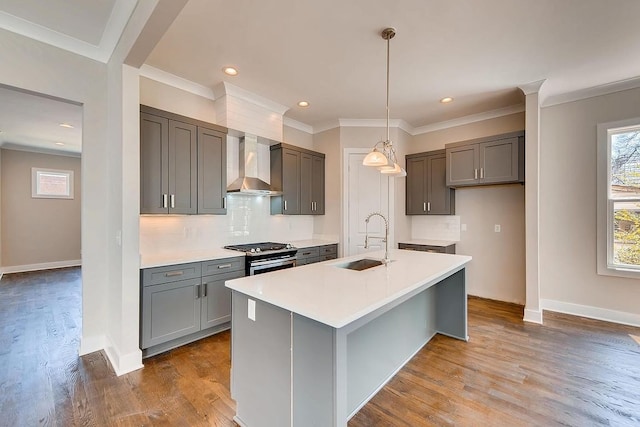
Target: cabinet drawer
{"points": [[221, 266], [329, 250], [328, 257], [170, 273], [305, 261], [450, 249], [308, 253]]}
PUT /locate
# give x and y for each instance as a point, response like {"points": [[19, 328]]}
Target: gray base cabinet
{"points": [[299, 174], [449, 249], [492, 160], [182, 303], [426, 189], [183, 164], [315, 254]]}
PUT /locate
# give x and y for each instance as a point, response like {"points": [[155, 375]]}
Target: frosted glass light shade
{"points": [[394, 170], [375, 158]]}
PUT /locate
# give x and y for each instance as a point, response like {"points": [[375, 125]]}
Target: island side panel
{"points": [[451, 295], [313, 373], [378, 349], [261, 364]]}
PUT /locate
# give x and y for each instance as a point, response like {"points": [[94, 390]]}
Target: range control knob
{"points": [[252, 250], [289, 246], [258, 250]]}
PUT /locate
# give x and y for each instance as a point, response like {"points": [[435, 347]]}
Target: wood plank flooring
{"points": [[572, 371]]}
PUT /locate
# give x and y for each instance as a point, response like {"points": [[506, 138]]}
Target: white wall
{"points": [[44, 69], [498, 267], [568, 278], [330, 224]]}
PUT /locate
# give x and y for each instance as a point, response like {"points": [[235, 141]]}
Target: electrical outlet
{"points": [[497, 228], [252, 309]]}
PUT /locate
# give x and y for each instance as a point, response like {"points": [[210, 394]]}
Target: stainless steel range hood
{"points": [[248, 183]]}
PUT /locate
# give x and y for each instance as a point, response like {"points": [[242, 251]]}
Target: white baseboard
{"points": [[533, 316], [91, 344], [122, 363], [40, 266], [591, 312]]}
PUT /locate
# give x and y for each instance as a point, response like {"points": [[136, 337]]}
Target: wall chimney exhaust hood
{"points": [[248, 183]]}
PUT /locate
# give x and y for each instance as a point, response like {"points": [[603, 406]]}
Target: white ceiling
{"points": [[330, 52]]}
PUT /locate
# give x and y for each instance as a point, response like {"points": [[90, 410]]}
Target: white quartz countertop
{"points": [[338, 296], [428, 242], [312, 242], [181, 257]]}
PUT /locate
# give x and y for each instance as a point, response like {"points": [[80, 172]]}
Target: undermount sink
{"points": [[361, 264]]}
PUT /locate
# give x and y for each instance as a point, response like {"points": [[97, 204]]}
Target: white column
{"points": [[532, 309]]}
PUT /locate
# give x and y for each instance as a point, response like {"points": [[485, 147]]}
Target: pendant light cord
{"points": [[388, 47]]}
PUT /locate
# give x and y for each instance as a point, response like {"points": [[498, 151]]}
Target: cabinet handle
{"points": [[475, 174], [224, 266], [174, 273], [173, 201], [224, 203], [204, 290], [428, 206], [424, 206], [164, 200], [197, 291], [285, 205], [306, 253], [481, 173]]}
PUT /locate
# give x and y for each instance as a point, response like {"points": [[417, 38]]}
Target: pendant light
{"points": [[385, 160]]}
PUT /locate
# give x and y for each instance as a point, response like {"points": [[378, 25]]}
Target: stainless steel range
{"points": [[266, 256]]}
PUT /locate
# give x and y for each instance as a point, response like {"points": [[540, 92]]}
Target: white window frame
{"points": [[605, 215], [37, 192]]}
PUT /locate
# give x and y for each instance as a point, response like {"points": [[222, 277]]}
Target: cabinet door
{"points": [[317, 184], [306, 184], [183, 168], [212, 172], [170, 311], [216, 299], [416, 189], [154, 164], [499, 161], [290, 182], [438, 194], [462, 165]]}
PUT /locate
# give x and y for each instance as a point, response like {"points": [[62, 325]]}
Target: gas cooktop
{"points": [[252, 248]]}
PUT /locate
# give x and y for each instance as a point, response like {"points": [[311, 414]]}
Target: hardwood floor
{"points": [[572, 371]]}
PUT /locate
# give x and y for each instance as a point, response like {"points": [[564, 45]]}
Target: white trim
{"points": [[122, 363], [594, 91], [289, 122], [533, 316], [41, 266], [461, 121], [533, 87], [322, 127], [40, 150], [597, 313], [120, 14], [176, 81], [91, 344], [225, 88]]}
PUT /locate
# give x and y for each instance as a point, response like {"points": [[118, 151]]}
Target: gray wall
{"points": [[36, 231]]}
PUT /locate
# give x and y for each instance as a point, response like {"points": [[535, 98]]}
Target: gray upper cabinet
{"points": [[299, 174], [182, 164], [212, 171], [492, 160], [427, 193]]}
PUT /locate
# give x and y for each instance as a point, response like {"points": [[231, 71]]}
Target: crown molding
{"points": [[178, 82], [533, 87], [322, 127], [591, 92], [122, 10], [461, 121], [225, 88], [297, 125], [39, 150]]}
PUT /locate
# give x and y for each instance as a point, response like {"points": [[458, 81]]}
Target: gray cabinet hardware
{"points": [[285, 205], [164, 201], [174, 274], [197, 288], [428, 206], [224, 266], [173, 201], [204, 290]]}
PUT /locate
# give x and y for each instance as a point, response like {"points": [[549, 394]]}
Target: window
{"points": [[51, 183], [619, 198]]}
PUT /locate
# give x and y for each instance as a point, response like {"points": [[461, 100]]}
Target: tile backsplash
{"points": [[436, 227], [247, 220]]}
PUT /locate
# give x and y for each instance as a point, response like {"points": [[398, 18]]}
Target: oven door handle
{"points": [[274, 263]]}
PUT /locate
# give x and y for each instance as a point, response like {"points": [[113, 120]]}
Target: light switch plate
{"points": [[497, 228], [252, 309]]}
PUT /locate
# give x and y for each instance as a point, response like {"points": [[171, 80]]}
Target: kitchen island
{"points": [[311, 345]]}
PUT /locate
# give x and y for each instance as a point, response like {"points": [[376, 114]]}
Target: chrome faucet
{"points": [[386, 235]]}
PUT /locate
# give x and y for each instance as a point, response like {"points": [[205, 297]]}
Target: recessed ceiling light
{"points": [[230, 71], [303, 104], [446, 100], [60, 143], [66, 125]]}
